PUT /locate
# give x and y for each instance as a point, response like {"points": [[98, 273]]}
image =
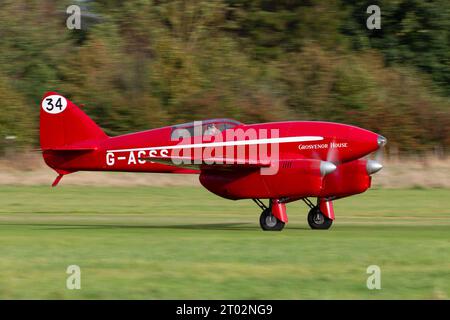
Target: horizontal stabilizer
{"points": [[72, 148]]}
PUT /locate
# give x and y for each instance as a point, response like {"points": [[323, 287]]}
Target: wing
{"points": [[209, 163]]}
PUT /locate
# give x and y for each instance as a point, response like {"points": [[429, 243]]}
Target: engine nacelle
{"points": [[348, 179], [296, 178]]}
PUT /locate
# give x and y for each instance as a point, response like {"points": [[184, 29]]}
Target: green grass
{"points": [[185, 243]]}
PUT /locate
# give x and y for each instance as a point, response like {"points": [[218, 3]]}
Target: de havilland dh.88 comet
{"points": [[278, 161]]}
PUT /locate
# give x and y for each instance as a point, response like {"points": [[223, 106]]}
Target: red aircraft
{"points": [[279, 161]]}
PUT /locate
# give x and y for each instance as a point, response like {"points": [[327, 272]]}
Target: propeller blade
{"points": [[379, 155], [375, 165], [332, 154]]}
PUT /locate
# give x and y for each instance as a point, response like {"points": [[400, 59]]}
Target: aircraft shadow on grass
{"points": [[233, 226]]}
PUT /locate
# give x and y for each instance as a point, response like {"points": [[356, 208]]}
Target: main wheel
{"points": [[269, 222], [317, 220]]}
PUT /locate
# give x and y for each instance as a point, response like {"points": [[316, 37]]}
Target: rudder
{"points": [[64, 125]]}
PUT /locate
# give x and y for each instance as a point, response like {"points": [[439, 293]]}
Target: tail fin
{"points": [[63, 126]]}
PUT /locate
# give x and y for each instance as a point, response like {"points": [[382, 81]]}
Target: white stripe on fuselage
{"points": [[226, 143]]}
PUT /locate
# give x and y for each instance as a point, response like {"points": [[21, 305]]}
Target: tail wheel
{"points": [[269, 222], [317, 220]]}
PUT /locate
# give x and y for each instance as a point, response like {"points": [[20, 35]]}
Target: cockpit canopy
{"points": [[207, 127]]}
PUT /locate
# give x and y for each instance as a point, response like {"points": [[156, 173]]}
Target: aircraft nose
{"points": [[381, 141]]}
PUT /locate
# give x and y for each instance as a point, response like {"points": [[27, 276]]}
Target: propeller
{"points": [[329, 165], [333, 152], [373, 166], [333, 157]]}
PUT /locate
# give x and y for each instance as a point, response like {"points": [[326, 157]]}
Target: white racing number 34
{"points": [[54, 104]]}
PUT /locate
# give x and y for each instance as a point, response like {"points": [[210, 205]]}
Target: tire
{"points": [[317, 220], [269, 222]]}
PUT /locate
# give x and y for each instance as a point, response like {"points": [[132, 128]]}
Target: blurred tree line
{"points": [[146, 63]]}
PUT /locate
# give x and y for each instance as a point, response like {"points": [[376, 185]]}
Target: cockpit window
{"points": [[210, 127]]}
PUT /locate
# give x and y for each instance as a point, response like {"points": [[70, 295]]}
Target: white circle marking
{"points": [[54, 104]]}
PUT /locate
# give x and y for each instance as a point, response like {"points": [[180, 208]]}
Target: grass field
{"points": [[185, 243]]}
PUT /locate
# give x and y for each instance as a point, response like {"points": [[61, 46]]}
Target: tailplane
{"points": [[66, 132]]}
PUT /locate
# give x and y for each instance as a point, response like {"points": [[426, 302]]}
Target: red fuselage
{"points": [[298, 174]]}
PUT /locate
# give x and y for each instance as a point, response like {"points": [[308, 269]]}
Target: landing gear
{"points": [[267, 220], [316, 218], [274, 217]]}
